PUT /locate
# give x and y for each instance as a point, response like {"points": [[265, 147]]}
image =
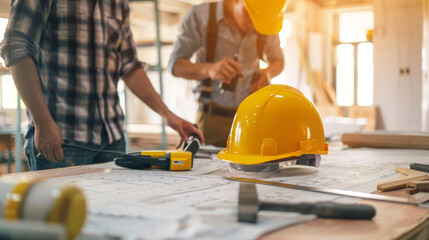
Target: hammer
{"points": [[249, 205]]}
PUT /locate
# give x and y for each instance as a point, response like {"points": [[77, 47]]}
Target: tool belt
{"points": [[217, 110]]}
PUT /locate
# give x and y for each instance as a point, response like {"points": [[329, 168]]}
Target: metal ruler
{"points": [[416, 199]]}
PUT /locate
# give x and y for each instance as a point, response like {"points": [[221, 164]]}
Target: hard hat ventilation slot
{"points": [[269, 147]]}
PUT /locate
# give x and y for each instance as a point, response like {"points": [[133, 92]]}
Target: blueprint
{"points": [[201, 204], [157, 204]]}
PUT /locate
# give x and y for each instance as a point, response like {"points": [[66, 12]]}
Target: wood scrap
{"points": [[405, 175], [387, 139]]}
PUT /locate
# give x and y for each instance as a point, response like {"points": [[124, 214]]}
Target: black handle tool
{"points": [[193, 144], [249, 205]]}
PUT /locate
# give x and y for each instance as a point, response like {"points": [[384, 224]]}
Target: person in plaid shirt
{"points": [[66, 57]]}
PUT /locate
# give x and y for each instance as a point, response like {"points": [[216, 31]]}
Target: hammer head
{"points": [[248, 203]]}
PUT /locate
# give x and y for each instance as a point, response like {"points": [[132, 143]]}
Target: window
{"points": [[3, 24], [354, 55], [285, 33], [9, 94]]}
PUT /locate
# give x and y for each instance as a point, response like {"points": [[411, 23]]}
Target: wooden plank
{"points": [[326, 89], [386, 139], [405, 175]]}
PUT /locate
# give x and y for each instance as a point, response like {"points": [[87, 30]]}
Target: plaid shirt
{"points": [[81, 48]]}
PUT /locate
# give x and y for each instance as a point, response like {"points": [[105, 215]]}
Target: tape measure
{"points": [[177, 160], [44, 201]]}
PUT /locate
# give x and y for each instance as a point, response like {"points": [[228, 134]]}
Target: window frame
{"points": [[355, 44]]}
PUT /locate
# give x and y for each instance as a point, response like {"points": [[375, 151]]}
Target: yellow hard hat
{"points": [[266, 16], [274, 123]]}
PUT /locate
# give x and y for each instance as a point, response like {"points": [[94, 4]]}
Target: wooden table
{"points": [[393, 221]]}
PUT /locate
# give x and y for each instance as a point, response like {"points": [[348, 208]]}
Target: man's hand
{"points": [[184, 128], [47, 135], [225, 70], [264, 80], [48, 140]]}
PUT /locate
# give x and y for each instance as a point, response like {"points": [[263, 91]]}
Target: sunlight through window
{"points": [[355, 55], [345, 74], [355, 25], [365, 86], [3, 25], [9, 95]]}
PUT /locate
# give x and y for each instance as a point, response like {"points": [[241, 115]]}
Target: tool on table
{"points": [[174, 160], [417, 186], [405, 175], [193, 144], [249, 205], [420, 167], [417, 199]]}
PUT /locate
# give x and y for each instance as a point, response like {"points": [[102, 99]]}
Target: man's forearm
{"points": [[184, 68], [138, 82], [274, 68], [27, 82]]}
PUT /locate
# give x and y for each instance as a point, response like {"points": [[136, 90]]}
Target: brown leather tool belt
{"points": [[217, 110]]}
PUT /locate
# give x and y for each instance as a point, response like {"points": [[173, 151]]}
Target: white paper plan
{"points": [[200, 204]]}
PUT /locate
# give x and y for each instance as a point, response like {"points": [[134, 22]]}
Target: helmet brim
{"points": [[252, 159]]}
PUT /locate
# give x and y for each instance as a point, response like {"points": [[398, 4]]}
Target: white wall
{"points": [[305, 22], [398, 39], [425, 84]]}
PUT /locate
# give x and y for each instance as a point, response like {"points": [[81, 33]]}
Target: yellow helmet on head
{"points": [[277, 122], [266, 16]]}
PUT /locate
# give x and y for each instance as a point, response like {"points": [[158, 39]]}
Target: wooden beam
{"points": [[4, 8]]}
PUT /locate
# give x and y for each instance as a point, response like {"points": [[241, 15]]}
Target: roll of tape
{"points": [[39, 201], [15, 199], [44, 202], [69, 209]]}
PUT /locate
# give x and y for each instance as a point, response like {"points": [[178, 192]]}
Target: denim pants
{"points": [[72, 156]]}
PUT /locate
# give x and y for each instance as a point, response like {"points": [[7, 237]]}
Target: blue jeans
{"points": [[72, 156]]}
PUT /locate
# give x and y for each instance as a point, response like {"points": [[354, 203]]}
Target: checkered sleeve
{"points": [[26, 21], [129, 60]]}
